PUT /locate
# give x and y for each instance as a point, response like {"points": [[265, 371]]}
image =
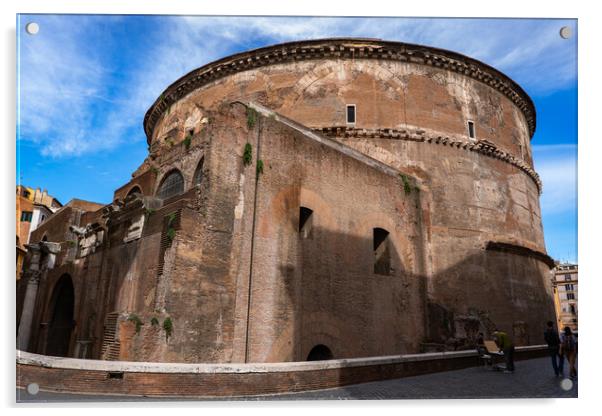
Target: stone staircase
{"points": [[110, 343]]}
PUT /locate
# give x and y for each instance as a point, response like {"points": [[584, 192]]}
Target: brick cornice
{"points": [[340, 48], [483, 147]]}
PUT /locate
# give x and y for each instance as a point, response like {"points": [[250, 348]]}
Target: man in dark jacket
{"points": [[553, 341]]}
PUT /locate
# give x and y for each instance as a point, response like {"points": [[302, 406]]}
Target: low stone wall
{"points": [[213, 380]]}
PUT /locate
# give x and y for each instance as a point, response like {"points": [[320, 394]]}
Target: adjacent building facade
{"points": [[565, 281], [320, 199]]}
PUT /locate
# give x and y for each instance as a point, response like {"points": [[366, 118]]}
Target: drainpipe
{"points": [[257, 158]]}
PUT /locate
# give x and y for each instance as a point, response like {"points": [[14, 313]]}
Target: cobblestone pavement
{"points": [[532, 379]]}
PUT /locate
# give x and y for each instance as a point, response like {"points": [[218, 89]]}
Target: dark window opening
{"points": [[319, 352], [572, 309], [116, 374], [61, 318], [305, 221], [570, 296], [191, 132], [351, 114], [198, 174], [172, 185], [471, 132], [26, 216], [382, 252]]}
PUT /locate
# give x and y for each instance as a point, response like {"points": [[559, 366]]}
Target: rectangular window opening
{"points": [[305, 221], [382, 252], [350, 113], [471, 132], [116, 375]]}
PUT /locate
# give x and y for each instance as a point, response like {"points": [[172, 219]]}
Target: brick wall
{"points": [[206, 380]]}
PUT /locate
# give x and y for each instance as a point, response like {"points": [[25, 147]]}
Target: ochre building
{"points": [[318, 199]]}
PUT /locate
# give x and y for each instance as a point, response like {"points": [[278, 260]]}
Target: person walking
{"points": [[553, 340], [505, 344], [568, 348]]}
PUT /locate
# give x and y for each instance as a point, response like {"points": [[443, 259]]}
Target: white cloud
{"points": [[66, 78], [557, 167]]}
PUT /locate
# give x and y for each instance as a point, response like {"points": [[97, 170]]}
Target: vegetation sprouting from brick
{"points": [[167, 327], [247, 155], [171, 231], [188, 141], [407, 187], [148, 212], [259, 167], [154, 321], [155, 170], [136, 320], [251, 117]]}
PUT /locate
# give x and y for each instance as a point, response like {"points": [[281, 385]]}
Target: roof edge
{"points": [[341, 48]]}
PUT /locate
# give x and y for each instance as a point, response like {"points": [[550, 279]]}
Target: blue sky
{"points": [[85, 83]]}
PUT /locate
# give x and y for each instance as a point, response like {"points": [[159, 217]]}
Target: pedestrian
{"points": [[553, 341], [480, 340], [568, 348], [504, 343]]}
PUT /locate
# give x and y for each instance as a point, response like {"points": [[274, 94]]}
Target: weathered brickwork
{"points": [[243, 380], [264, 227]]}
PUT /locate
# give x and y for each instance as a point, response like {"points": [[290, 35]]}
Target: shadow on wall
{"points": [[337, 302]]}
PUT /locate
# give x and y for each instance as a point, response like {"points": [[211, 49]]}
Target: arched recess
{"points": [[320, 352], [171, 185], [198, 173], [135, 190], [61, 322]]}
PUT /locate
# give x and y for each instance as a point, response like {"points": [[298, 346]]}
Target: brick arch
{"points": [[134, 189], [61, 314]]}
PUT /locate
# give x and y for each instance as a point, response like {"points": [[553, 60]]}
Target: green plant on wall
{"points": [[136, 320], [259, 167], [154, 321], [251, 117], [148, 212], [167, 327], [247, 154], [406, 184], [171, 232], [154, 170], [187, 141]]}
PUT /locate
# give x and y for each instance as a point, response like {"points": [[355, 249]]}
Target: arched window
{"points": [[198, 173], [172, 184], [135, 190]]}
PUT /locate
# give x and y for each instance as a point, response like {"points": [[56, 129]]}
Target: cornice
{"points": [[341, 48], [483, 147]]}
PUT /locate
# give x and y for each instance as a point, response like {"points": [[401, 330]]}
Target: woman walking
{"points": [[568, 349]]}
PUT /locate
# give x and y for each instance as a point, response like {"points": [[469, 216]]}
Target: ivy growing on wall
{"points": [[406, 184], [136, 320], [259, 167], [247, 155], [187, 141], [167, 327], [251, 117], [171, 231]]}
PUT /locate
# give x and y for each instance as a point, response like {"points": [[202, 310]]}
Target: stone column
{"points": [[28, 308]]}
